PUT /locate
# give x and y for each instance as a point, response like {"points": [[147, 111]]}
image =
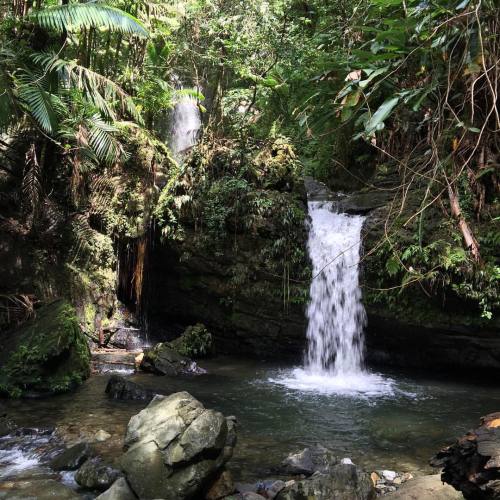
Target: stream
{"points": [[397, 430]]}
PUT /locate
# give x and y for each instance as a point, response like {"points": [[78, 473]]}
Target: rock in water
{"points": [[175, 447], [94, 474], [472, 464], [342, 482], [163, 360], [71, 458], [308, 461], [121, 388]]}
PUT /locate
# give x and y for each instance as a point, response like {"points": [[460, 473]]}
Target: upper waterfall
{"points": [[185, 126], [336, 316]]}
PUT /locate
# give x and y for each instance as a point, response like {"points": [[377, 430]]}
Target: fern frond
{"points": [[31, 185], [88, 15]]}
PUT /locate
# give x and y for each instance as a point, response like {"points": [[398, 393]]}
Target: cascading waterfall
{"points": [[185, 127], [336, 314]]}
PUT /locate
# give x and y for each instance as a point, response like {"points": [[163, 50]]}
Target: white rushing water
{"points": [[336, 316], [185, 127]]}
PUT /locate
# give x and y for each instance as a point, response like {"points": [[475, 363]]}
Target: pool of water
{"points": [[398, 428]]}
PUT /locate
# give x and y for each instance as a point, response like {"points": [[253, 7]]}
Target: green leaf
{"points": [[381, 114]]}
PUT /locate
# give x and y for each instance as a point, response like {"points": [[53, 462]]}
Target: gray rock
{"points": [[120, 490], [342, 482], [163, 360], [71, 458], [94, 474], [308, 461], [175, 447], [120, 388], [425, 488]]}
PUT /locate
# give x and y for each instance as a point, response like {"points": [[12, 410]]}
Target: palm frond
{"points": [[31, 186], [101, 139], [34, 95], [88, 15], [98, 89]]}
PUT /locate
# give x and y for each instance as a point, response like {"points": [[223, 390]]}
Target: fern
{"points": [[88, 15]]}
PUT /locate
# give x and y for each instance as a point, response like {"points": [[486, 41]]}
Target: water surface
{"points": [[399, 429]]}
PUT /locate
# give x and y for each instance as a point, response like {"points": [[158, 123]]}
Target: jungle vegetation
{"points": [[352, 89]]}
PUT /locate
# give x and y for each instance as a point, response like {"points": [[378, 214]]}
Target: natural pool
{"points": [[399, 430]]}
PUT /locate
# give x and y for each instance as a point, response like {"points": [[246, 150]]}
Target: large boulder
{"points": [[164, 360], [176, 448], [49, 354], [120, 388], [472, 464]]}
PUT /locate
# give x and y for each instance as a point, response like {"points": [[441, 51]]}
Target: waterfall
{"points": [[186, 124], [333, 362], [336, 316]]}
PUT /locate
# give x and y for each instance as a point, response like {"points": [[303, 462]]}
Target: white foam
{"points": [[14, 461], [357, 384]]}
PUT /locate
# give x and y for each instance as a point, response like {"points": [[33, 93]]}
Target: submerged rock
{"points": [[101, 436], [48, 354], [341, 482], [37, 489], [163, 360], [308, 461], [120, 388], [120, 490], [472, 464], [175, 447], [94, 474], [72, 458]]}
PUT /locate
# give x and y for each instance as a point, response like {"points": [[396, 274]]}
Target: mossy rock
{"points": [[47, 355], [196, 342]]}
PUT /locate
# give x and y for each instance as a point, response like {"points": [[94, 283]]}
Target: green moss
{"points": [[196, 342], [47, 355]]}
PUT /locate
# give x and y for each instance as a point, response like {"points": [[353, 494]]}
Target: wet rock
{"points": [[425, 488], [36, 489], [7, 426], [343, 481], [222, 487], [72, 458], [94, 474], [120, 388], [472, 464], [175, 446], [308, 461], [101, 436], [163, 360], [120, 490]]}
